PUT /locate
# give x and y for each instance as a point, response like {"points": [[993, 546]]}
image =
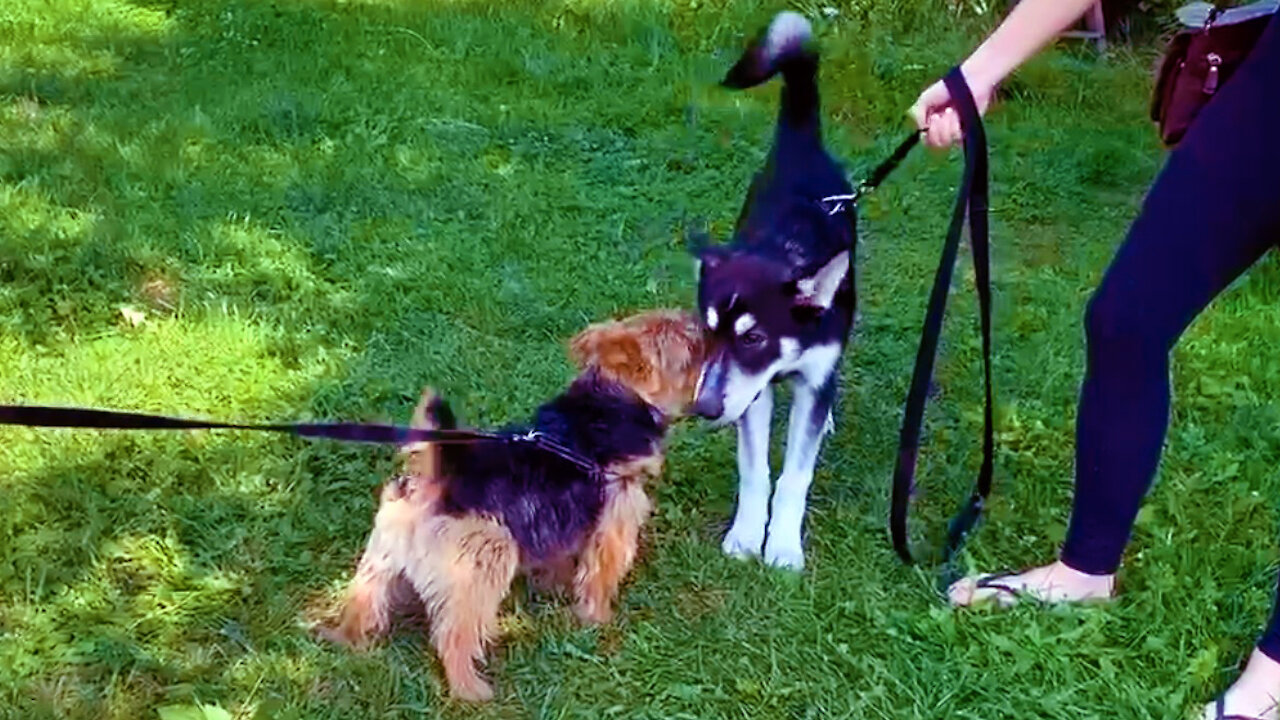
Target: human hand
{"points": [[1030, 25], [936, 115]]}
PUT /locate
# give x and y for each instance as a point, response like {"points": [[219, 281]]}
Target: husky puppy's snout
{"points": [[708, 402]]}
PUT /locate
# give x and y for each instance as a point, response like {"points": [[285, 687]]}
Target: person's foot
{"points": [[1050, 583], [1254, 694]]}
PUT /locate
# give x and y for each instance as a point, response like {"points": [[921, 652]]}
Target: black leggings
{"points": [[1212, 212]]}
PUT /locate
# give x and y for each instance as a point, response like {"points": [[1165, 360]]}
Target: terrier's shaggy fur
{"points": [[461, 520]]}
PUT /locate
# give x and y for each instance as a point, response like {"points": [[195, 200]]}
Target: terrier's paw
{"points": [[593, 613], [473, 689]]}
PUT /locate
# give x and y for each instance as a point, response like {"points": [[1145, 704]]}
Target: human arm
{"points": [[1030, 26]]}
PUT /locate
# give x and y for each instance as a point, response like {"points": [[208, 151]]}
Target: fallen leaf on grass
{"points": [[192, 712], [135, 318]]}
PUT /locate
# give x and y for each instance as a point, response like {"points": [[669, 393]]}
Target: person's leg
{"points": [[1211, 213], [1256, 693]]}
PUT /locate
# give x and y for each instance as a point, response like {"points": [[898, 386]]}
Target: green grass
{"points": [[320, 206]]}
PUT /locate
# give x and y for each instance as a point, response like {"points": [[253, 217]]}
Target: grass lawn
{"points": [[270, 210]]}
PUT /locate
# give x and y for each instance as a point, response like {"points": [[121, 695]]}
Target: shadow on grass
{"points": [[431, 201], [149, 569]]}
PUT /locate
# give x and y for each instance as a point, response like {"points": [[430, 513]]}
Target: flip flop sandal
{"points": [[1018, 594], [993, 582], [1220, 710]]}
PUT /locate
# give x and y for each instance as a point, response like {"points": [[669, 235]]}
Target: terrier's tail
{"points": [[432, 413]]}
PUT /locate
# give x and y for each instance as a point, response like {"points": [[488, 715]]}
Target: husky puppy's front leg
{"points": [[746, 536], [810, 420]]}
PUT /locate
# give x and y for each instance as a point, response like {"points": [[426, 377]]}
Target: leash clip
{"points": [[872, 181], [840, 200]]}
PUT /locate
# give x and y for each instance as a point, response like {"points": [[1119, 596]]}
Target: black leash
{"points": [[873, 180], [43, 416], [971, 200], [890, 163]]}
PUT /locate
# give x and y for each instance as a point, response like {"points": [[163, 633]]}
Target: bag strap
{"points": [[971, 201]]}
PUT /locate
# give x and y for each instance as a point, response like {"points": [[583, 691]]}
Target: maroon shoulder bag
{"points": [[1200, 60]]}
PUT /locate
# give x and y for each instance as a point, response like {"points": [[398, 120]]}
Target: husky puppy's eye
{"points": [[752, 338]]}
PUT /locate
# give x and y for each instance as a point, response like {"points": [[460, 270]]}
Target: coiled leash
{"points": [[971, 200], [43, 416]]}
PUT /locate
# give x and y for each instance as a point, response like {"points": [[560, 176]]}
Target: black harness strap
{"points": [[43, 416], [971, 200]]}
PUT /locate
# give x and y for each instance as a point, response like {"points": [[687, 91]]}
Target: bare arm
{"points": [[1030, 26]]}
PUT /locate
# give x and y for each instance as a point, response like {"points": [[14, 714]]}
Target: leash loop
{"points": [[971, 202]]}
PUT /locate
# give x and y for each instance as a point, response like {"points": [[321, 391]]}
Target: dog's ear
{"points": [[657, 354], [674, 347], [678, 344], [709, 257], [696, 237], [818, 291], [584, 347], [612, 347], [620, 355]]}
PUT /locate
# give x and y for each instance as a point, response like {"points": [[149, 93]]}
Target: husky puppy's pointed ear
{"points": [[709, 258], [697, 240], [696, 237], [818, 291]]}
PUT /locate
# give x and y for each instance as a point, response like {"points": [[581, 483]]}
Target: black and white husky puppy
{"points": [[778, 301]]}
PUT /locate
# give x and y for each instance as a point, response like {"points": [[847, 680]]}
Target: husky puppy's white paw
{"points": [[744, 540]]}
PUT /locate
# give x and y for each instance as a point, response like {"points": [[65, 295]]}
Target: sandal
{"points": [[993, 582], [1008, 594], [1220, 710]]}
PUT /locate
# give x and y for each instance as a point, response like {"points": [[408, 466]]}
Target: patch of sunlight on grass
{"points": [[242, 250], [160, 566], [29, 128], [59, 39], [274, 167], [134, 605], [222, 367], [66, 62], [143, 582], [32, 224]]}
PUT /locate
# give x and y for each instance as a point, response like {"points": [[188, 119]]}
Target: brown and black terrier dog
{"points": [[462, 520]]}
